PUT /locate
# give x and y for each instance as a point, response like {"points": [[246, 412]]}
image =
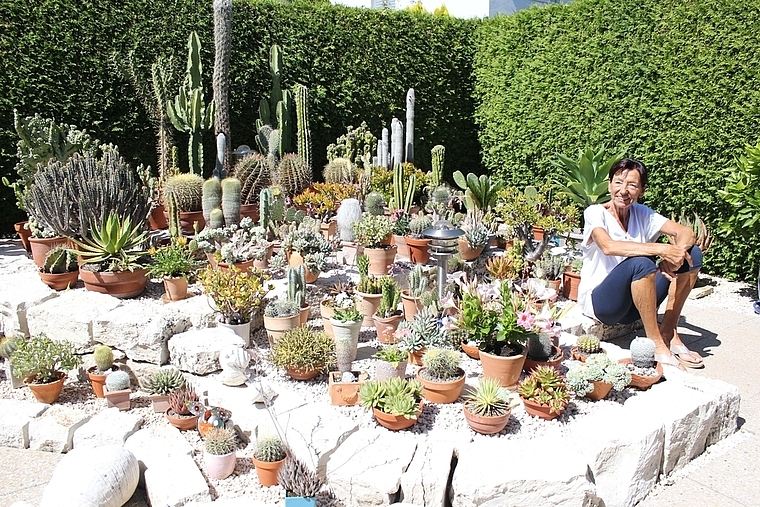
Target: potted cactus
{"points": [[219, 454], [346, 324], [161, 384], [60, 269], [8, 346], [303, 353], [350, 211], [369, 289], [586, 345], [418, 282], [174, 263], [476, 235], [487, 407], [597, 376], [542, 351], [43, 363], [544, 393], [388, 316], [571, 278], [645, 370], [187, 189], [179, 413], [396, 403], [392, 362], [280, 316], [419, 246], [103, 356], [300, 483], [268, 458], [372, 232], [297, 291], [117, 390], [400, 219], [441, 377]]}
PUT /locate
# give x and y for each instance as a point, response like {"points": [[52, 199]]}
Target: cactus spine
{"points": [[117, 381], [302, 123], [437, 155], [188, 113], [60, 260], [297, 285], [410, 126], [212, 197], [253, 173], [222, 38], [397, 142], [231, 200]]}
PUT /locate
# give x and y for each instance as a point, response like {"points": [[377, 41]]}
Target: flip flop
{"points": [[669, 360], [682, 350]]}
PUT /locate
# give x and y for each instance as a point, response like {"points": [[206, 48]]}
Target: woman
{"points": [[622, 280]]}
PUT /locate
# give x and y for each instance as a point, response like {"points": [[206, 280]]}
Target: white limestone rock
{"points": [[142, 335], [197, 309], [197, 351], [367, 467], [687, 415], [623, 449], [231, 502], [102, 477], [70, 316], [109, 427], [15, 416], [576, 323], [542, 471], [424, 481], [154, 444], [18, 293], [727, 402], [53, 431], [175, 482]]}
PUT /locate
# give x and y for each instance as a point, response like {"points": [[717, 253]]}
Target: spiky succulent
{"points": [[269, 449], [442, 365], [281, 308], [164, 381], [588, 344], [477, 235], [422, 331], [547, 387], [60, 260], [181, 398], [418, 224], [395, 396], [298, 479], [374, 203], [418, 281], [188, 188], [489, 399], [8, 346], [220, 441]]}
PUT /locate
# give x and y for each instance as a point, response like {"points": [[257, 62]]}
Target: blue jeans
{"points": [[612, 299]]}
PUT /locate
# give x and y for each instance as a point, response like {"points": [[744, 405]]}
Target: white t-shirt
{"points": [[644, 226]]}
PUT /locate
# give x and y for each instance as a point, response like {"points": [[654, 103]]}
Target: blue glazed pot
{"points": [[300, 501]]}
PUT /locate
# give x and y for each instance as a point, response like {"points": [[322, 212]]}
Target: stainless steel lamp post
{"points": [[443, 246]]}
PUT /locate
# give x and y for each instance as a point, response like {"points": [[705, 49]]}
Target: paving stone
{"points": [[15, 416], [426, 479], [197, 351], [154, 444], [727, 403], [18, 293], [53, 431], [175, 482], [109, 427]]}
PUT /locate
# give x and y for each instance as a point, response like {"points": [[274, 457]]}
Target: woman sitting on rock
{"points": [[626, 275]]}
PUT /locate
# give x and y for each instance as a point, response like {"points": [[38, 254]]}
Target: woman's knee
{"points": [[641, 267]]}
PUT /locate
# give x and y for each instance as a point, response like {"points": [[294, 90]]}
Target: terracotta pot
{"points": [[642, 382], [23, 234], [119, 399], [467, 253], [471, 350], [97, 380], [345, 393], [295, 259], [120, 284], [385, 370], [554, 362], [60, 281], [267, 471], [264, 263], [244, 266], [538, 233], [402, 249], [570, 281], [486, 425], [368, 306], [600, 391], [305, 311], [419, 250], [242, 330], [326, 312], [386, 327], [349, 251], [395, 422], [187, 219], [581, 356], [46, 393], [441, 392], [346, 336], [176, 288], [278, 326], [554, 284], [539, 410], [181, 423], [41, 246], [250, 210], [415, 357], [411, 305], [505, 369], [380, 260], [328, 229], [157, 219], [160, 403], [219, 466], [302, 373]]}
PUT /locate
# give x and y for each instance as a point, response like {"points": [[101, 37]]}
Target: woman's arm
{"points": [[625, 248]]}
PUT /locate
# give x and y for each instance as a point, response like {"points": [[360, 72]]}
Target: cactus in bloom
{"points": [[117, 381], [211, 197], [231, 200], [642, 352]]}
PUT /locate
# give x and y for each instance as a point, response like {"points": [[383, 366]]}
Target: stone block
{"points": [[231, 502], [70, 317], [15, 416], [109, 427], [367, 467], [425, 480], [727, 402], [53, 431], [576, 323], [140, 331], [687, 415], [18, 293], [154, 444], [624, 451], [197, 308], [197, 351], [102, 477], [545, 472], [175, 482]]}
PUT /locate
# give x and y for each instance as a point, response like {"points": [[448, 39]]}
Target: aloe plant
{"points": [[115, 244], [480, 192], [585, 179]]}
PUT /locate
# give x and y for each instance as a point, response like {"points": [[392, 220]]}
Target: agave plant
{"points": [[585, 179], [116, 245]]}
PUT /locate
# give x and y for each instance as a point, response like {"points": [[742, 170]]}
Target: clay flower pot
{"points": [[219, 466], [157, 219], [600, 391], [60, 281], [640, 381], [380, 260], [346, 337], [396, 422], [385, 370], [278, 326], [368, 306], [97, 380], [411, 305], [295, 259], [440, 392], [41, 246], [119, 284], [415, 357], [160, 403], [402, 249], [385, 328], [570, 281], [419, 250], [267, 471], [326, 312], [468, 253], [345, 393], [539, 410], [244, 266], [505, 369], [486, 425], [554, 362], [46, 393], [182, 423], [302, 373], [119, 399], [471, 350], [176, 288], [23, 234]]}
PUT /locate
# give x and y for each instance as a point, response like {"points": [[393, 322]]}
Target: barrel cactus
{"points": [[293, 174], [374, 203], [588, 344], [253, 173], [117, 381], [269, 449], [103, 357], [642, 352], [220, 441], [60, 260], [188, 188], [340, 170]]}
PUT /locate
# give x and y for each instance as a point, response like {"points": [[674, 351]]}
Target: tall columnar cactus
{"points": [[221, 148], [276, 111], [265, 208], [216, 219], [222, 42], [297, 285], [189, 113], [410, 126], [397, 142], [403, 189], [540, 346], [188, 188], [437, 155], [417, 281], [642, 352], [212, 196], [231, 200], [253, 173], [172, 208], [302, 123], [273, 156], [386, 158], [292, 174]]}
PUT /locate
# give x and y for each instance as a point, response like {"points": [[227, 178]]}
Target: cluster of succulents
{"points": [[394, 396], [180, 399], [546, 386], [281, 308], [441, 365], [598, 367], [164, 381]]}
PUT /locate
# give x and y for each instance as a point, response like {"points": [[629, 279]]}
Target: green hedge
{"points": [[358, 64], [673, 81]]}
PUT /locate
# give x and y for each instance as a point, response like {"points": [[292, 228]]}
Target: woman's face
{"points": [[625, 188]]}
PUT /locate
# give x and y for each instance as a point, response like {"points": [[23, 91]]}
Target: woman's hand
{"points": [[671, 259]]}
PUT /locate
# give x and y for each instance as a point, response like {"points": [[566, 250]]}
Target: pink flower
{"points": [[525, 319], [402, 333], [448, 301]]}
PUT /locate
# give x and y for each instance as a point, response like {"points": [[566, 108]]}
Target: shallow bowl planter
{"points": [[182, 423], [46, 393], [396, 422], [486, 425], [441, 392], [60, 281], [542, 411], [267, 471], [471, 350], [302, 373], [345, 393], [219, 466], [641, 382], [119, 284]]}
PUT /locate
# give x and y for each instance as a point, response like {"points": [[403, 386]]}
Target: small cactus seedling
{"points": [[588, 344], [103, 357]]}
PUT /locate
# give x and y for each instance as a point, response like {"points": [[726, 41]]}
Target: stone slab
{"points": [[425, 481], [18, 293], [576, 323], [175, 482], [15, 416], [727, 404], [154, 444], [197, 351], [53, 431], [197, 308], [109, 427]]}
